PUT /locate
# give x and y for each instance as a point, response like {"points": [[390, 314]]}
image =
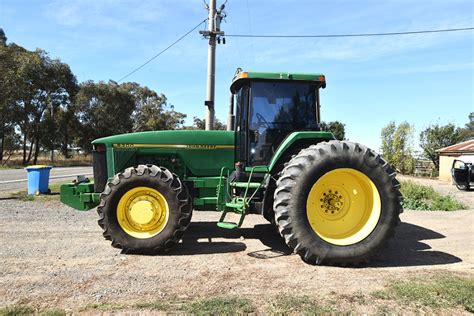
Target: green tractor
{"points": [[333, 202]]}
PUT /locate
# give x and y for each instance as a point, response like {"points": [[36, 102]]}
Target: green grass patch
{"points": [[54, 312], [7, 167], [357, 297], [286, 304], [425, 198], [115, 307], [228, 305], [53, 195], [155, 306], [437, 292], [55, 187], [17, 310], [103, 307], [22, 196]]}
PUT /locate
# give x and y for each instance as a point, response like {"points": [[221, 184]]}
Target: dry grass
{"points": [[440, 294], [442, 291], [15, 162]]}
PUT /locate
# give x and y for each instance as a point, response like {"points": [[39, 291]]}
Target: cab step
{"points": [[227, 225], [237, 206], [250, 185]]}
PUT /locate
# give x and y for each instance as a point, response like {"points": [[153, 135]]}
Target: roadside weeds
{"points": [[52, 196], [424, 198]]}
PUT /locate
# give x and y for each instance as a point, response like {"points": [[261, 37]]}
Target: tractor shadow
{"points": [[200, 239], [405, 249]]}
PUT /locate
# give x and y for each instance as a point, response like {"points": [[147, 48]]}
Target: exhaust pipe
{"points": [[231, 117]]}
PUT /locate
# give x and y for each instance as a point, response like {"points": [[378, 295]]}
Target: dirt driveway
{"points": [[54, 256]]}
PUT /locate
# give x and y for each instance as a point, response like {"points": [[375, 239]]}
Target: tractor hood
{"points": [[178, 138], [197, 152]]}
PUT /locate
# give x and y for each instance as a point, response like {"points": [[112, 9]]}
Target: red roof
{"points": [[464, 147]]}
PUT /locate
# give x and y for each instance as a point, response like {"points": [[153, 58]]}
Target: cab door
{"points": [[241, 124]]}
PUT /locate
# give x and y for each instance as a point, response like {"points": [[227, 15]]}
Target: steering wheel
{"points": [[261, 121]]}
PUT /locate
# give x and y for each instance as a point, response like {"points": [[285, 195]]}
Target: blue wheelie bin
{"points": [[38, 179]]}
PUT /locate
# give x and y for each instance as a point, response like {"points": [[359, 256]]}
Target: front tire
{"points": [[337, 203], [144, 210]]}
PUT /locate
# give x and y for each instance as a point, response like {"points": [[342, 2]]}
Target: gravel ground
{"points": [[53, 256]]}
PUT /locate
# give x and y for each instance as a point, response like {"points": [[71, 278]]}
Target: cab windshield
{"points": [[277, 109]]}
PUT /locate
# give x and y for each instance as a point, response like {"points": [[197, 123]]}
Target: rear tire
{"points": [[144, 210], [462, 187], [337, 202]]}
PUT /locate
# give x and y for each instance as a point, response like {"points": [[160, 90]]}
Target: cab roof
{"points": [[243, 76]]}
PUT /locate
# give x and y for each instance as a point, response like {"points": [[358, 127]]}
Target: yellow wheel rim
{"points": [[142, 212], [343, 206]]}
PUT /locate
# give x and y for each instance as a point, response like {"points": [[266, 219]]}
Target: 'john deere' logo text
{"points": [[201, 146], [181, 146]]}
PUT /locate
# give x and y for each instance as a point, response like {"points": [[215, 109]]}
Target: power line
{"points": [[352, 35], [161, 52], [296, 36]]}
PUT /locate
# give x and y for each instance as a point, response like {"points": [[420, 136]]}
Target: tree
{"points": [[201, 124], [60, 111], [105, 109], [9, 82], [46, 84], [169, 119], [11, 143], [42, 106], [437, 136], [335, 127], [397, 146], [3, 38], [102, 109], [468, 131], [152, 111], [66, 122], [387, 141], [9, 140]]}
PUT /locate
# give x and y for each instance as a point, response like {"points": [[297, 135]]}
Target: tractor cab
{"points": [[269, 107]]}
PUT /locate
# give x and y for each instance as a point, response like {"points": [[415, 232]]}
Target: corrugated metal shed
{"points": [[461, 148]]}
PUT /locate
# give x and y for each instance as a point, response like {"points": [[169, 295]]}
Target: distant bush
{"points": [[425, 198]]}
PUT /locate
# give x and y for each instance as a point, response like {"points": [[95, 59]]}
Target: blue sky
{"points": [[422, 79]]}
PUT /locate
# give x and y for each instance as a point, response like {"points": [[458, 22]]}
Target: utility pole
{"points": [[214, 35], [52, 139]]}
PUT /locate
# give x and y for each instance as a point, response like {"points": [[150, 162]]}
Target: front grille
{"points": [[99, 166]]}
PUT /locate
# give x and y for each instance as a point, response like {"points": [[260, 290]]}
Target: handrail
{"points": [[250, 180], [219, 203], [248, 184]]}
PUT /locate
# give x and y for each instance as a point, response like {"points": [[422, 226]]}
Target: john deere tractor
{"points": [[333, 202]]}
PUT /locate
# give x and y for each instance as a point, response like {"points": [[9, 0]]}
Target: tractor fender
{"points": [[292, 145], [296, 138]]}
